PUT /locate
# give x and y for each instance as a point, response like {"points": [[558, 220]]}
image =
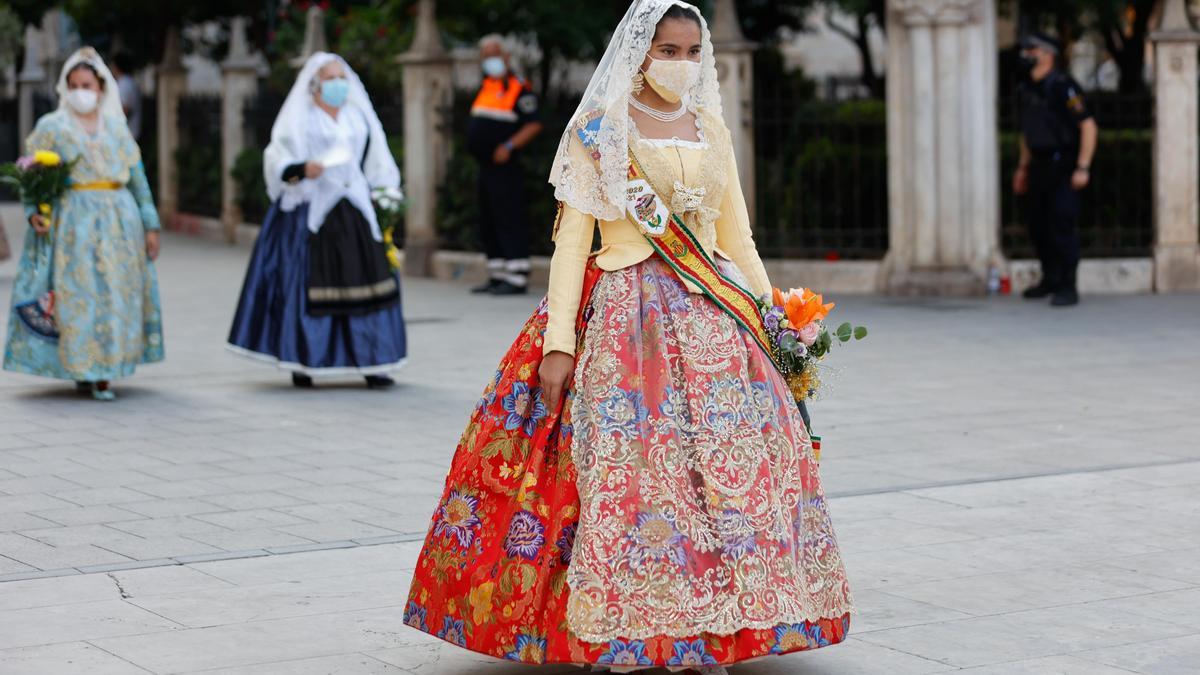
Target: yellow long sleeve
{"points": [[735, 237], [572, 244]]}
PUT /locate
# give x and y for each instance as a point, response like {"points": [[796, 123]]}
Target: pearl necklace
{"points": [[655, 113]]}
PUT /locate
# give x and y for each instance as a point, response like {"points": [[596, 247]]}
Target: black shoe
{"points": [[379, 382], [1038, 292], [301, 380], [1067, 297], [505, 288], [487, 287]]}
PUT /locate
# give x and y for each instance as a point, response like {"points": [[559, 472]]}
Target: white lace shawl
{"points": [[603, 113]]}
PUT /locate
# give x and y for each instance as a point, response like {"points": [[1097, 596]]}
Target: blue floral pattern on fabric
{"points": [[458, 517], [525, 537], [528, 649], [524, 407], [625, 653], [453, 631], [796, 636], [693, 653], [414, 616]]}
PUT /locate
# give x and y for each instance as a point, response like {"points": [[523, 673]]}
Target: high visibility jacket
{"points": [[497, 98]]}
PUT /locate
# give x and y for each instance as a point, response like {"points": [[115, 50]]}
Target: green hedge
{"points": [[1118, 211], [458, 208]]}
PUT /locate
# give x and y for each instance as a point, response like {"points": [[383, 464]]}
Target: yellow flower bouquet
{"points": [[41, 178]]}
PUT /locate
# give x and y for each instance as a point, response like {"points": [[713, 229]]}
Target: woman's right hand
{"points": [[313, 169], [39, 223], [556, 369]]}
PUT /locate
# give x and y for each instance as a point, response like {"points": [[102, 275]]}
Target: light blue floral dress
{"points": [[107, 317]]}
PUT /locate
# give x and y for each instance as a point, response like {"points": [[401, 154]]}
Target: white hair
{"points": [[494, 39]]}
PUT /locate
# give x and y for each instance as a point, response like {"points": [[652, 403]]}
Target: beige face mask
{"points": [[672, 79]]}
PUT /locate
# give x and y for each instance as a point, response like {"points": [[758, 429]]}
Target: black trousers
{"points": [[1053, 207], [503, 212]]}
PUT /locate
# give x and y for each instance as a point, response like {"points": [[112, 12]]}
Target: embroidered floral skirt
{"points": [[669, 514]]}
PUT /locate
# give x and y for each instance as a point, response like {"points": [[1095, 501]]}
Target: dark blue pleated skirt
{"points": [[272, 324]]}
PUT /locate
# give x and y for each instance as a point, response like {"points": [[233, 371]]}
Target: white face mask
{"points": [[82, 101], [672, 79], [494, 66]]}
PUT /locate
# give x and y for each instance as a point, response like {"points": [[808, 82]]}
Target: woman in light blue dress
{"points": [[85, 300]]}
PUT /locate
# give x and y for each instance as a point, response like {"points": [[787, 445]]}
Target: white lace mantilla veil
{"points": [[289, 134], [576, 180], [110, 102]]}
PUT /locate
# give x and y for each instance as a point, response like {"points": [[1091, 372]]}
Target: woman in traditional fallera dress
{"points": [[320, 296], [85, 300], [636, 487]]}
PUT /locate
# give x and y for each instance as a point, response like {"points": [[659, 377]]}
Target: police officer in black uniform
{"points": [[1058, 141], [504, 119]]}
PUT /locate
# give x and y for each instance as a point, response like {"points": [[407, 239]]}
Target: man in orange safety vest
{"points": [[504, 119]]}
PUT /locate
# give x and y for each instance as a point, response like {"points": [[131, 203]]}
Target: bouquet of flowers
{"points": [[41, 179], [795, 322], [389, 208]]}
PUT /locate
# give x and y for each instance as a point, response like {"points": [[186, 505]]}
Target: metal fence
{"points": [[821, 179], [148, 141], [198, 159], [1118, 207], [10, 142]]}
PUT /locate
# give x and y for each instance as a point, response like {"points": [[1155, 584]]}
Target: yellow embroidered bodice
{"points": [[701, 177]]}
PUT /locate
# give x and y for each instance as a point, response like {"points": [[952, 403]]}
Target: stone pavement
{"points": [[1016, 490]]}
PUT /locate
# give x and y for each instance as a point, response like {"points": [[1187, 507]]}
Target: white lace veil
{"points": [[576, 179], [289, 132], [110, 100]]}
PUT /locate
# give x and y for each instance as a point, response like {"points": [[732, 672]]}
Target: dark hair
{"points": [[86, 66], [677, 12], [123, 60]]}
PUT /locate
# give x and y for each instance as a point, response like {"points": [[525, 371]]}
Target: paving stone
{"points": [[347, 664], [996, 509], [80, 657], [77, 621], [261, 641], [101, 496], [1171, 656], [88, 515], [66, 590]]}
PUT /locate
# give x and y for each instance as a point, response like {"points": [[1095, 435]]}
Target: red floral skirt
{"points": [[492, 576]]}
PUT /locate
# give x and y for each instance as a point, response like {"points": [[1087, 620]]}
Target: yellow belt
{"points": [[97, 185]]}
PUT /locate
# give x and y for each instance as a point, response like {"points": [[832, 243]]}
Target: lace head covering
{"points": [[597, 186], [110, 98], [289, 133]]}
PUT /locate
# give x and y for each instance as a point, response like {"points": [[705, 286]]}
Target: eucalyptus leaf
{"points": [[789, 344], [860, 332]]}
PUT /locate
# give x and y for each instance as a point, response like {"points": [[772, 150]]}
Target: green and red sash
{"points": [[678, 247]]}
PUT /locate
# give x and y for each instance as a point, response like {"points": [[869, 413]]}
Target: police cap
{"points": [[1040, 40]]}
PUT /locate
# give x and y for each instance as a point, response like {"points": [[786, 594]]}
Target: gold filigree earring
{"points": [[639, 82]]}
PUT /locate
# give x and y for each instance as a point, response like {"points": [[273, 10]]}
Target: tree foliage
{"points": [[1123, 25]]}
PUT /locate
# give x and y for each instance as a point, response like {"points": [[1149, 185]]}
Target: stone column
{"points": [[1176, 174], [239, 84], [31, 81], [172, 82], [314, 36], [943, 169], [428, 95], [735, 69]]}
